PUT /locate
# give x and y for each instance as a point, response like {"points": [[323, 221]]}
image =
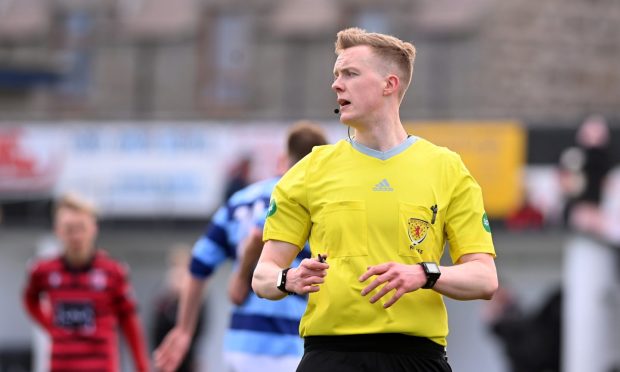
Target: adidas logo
{"points": [[384, 185]]}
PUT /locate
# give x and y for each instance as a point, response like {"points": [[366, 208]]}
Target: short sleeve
{"points": [[259, 215], [288, 217], [467, 226], [33, 279], [213, 247]]}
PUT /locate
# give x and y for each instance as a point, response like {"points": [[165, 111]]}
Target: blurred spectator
{"points": [[531, 340], [239, 176], [583, 170], [593, 138], [589, 315], [166, 304], [80, 297], [527, 217]]}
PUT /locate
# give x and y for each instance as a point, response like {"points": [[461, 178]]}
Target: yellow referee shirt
{"points": [[364, 207]]}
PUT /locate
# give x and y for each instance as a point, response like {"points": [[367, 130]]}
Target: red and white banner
{"points": [[30, 161]]}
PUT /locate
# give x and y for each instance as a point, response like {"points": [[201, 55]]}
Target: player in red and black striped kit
{"points": [[81, 297]]}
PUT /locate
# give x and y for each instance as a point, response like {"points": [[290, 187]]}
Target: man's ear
{"points": [[392, 83]]}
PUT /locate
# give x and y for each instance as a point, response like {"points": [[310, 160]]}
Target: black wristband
{"points": [[432, 272], [281, 283]]}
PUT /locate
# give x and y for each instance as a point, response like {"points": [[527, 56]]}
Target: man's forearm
{"points": [[276, 256], [264, 281], [251, 248], [189, 304], [471, 280]]}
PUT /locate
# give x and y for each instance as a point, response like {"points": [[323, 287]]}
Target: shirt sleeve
{"points": [[134, 333], [32, 300], [124, 299], [258, 218], [288, 216], [467, 226], [126, 310], [213, 247]]}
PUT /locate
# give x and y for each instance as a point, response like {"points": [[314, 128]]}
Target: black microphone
{"points": [[336, 111]]}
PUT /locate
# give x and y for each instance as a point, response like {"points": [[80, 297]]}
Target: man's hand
{"points": [[238, 288], [306, 277], [172, 350], [402, 278]]}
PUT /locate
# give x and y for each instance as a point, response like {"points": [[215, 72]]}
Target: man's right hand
{"points": [[306, 277], [172, 350]]}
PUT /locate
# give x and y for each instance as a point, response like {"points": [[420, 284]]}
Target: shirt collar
{"points": [[383, 155]]}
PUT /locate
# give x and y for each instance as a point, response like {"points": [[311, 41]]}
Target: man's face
{"points": [[359, 84], [77, 230]]}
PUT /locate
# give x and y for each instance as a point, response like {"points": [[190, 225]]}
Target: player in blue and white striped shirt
{"points": [[263, 335]]}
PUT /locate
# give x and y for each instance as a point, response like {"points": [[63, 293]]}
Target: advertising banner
{"points": [[494, 153], [179, 169], [163, 169]]}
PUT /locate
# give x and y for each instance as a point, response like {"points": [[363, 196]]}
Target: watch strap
{"points": [[282, 285], [431, 277]]}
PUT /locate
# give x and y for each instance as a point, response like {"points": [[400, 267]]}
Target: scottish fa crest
{"points": [[417, 230]]}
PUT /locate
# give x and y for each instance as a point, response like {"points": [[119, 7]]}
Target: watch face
{"points": [[279, 282], [432, 268]]}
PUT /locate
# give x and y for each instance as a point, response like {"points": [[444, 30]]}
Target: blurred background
{"points": [[151, 108]]}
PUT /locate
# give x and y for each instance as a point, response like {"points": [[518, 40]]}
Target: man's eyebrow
{"points": [[343, 69]]}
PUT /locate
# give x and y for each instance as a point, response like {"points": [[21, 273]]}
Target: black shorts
{"points": [[376, 353]]}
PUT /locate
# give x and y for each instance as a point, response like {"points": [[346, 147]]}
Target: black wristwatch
{"points": [[432, 272], [281, 282]]}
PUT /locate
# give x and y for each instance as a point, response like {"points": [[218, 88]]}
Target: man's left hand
{"points": [[403, 278]]}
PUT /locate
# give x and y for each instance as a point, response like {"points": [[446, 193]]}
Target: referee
{"points": [[378, 208]]}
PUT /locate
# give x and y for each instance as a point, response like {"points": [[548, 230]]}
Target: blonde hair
{"points": [[75, 202], [396, 51]]}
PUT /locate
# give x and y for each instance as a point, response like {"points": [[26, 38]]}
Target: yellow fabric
{"points": [[361, 211]]}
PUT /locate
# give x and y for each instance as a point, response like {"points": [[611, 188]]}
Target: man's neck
{"points": [[381, 136], [79, 260]]}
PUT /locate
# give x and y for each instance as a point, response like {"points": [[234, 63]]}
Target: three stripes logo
{"points": [[384, 185]]}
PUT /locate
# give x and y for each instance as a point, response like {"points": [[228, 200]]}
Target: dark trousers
{"points": [[372, 353]]}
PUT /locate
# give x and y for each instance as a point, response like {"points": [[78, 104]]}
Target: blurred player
{"points": [[263, 335], [381, 205], [82, 296]]}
